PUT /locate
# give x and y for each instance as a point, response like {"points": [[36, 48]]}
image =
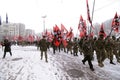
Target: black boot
{"points": [[111, 62], [83, 62], [92, 69]]}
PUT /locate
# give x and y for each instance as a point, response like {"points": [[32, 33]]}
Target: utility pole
{"points": [[44, 22]]}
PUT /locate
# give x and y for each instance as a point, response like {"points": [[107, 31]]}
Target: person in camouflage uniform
{"points": [[109, 48], [118, 42], [48, 45], [69, 46], [94, 46], [43, 48], [80, 45], [91, 40], [87, 50], [116, 48], [100, 50], [75, 47]]}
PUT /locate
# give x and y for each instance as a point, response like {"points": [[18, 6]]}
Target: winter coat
{"points": [[7, 47], [87, 47], [43, 44]]}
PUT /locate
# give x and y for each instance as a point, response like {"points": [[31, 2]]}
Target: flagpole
{"points": [[92, 15], [93, 9]]}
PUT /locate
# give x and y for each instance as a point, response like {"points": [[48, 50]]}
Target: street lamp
{"points": [[44, 21]]}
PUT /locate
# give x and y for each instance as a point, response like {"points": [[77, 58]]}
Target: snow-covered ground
{"points": [[25, 64]]}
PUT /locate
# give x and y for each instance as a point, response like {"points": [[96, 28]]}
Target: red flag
{"points": [[88, 12], [20, 38], [115, 22], [116, 15], [80, 22], [102, 31], [81, 18], [91, 34], [116, 30], [82, 34], [30, 38], [56, 42], [56, 28], [14, 38], [63, 28], [82, 27], [64, 43], [70, 35]]}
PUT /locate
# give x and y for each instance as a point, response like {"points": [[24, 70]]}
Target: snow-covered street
{"points": [[25, 64]]}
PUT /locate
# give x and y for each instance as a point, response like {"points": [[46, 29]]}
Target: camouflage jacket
{"points": [[43, 45]]}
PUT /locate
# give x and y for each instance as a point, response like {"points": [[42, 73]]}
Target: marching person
{"points": [[75, 47], [109, 49], [87, 53], [7, 48], [43, 47], [100, 50]]}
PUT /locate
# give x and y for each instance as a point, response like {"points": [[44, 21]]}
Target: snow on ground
{"points": [[25, 64]]}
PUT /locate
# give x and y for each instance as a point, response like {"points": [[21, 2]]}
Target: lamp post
{"points": [[44, 21]]}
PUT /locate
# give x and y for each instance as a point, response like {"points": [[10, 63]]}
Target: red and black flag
{"points": [[82, 27], [63, 28], [115, 22], [88, 12], [80, 22], [102, 31]]}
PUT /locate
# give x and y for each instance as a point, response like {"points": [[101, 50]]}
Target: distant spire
{"points": [[6, 18], [0, 20]]}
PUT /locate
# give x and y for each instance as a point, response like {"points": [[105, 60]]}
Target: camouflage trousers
{"points": [[101, 56], [115, 52], [45, 52], [69, 49], [109, 54]]}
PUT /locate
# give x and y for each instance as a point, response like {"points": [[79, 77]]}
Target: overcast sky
{"points": [[67, 12]]}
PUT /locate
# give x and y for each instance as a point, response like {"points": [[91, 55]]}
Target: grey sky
{"points": [[67, 12]]}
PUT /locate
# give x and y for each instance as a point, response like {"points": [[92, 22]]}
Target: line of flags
{"points": [[82, 27]]}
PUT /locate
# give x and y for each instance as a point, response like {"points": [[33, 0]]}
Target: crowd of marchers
{"points": [[102, 47], [87, 46]]}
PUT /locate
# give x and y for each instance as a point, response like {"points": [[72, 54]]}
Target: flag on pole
{"points": [[115, 22], [102, 31], [88, 12], [80, 22], [63, 28]]}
